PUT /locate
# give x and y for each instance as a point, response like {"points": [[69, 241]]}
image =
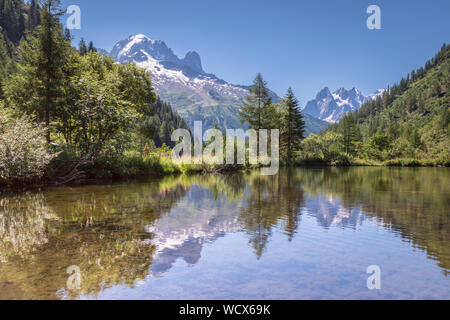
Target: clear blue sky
{"points": [[305, 44]]}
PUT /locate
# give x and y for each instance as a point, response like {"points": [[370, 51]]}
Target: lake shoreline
{"points": [[176, 170]]}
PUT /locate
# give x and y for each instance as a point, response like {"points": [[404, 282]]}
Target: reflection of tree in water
{"points": [[412, 202], [22, 225], [271, 200], [102, 231], [208, 212], [110, 231]]}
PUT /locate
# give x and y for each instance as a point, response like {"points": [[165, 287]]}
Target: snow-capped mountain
{"points": [[330, 211], [193, 93], [377, 94], [332, 107]]}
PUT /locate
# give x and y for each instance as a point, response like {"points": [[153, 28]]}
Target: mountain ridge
{"points": [[333, 106], [195, 94], [411, 120]]}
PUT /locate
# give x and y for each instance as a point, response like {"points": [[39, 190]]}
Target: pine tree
{"points": [[253, 110], [38, 88], [164, 133], [256, 107], [53, 51], [444, 119], [34, 18], [68, 35], [91, 47], [293, 127], [350, 133], [82, 47], [415, 139]]}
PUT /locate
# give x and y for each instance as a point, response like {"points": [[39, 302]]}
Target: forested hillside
{"points": [[16, 19], [64, 112], [410, 121], [165, 121], [413, 116], [7, 51]]}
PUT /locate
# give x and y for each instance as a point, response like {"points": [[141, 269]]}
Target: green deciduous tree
{"points": [[105, 99]]}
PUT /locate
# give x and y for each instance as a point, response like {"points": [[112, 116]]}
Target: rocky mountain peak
{"points": [[332, 107], [193, 61], [194, 94], [323, 94]]}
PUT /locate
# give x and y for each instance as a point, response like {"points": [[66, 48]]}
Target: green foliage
{"points": [[95, 101], [324, 149], [16, 19], [256, 108], [378, 144], [23, 151], [82, 48], [351, 134], [38, 88], [410, 120], [7, 52], [292, 127], [415, 139], [91, 47], [314, 125], [161, 125], [13, 16], [259, 113], [102, 105], [89, 105]]}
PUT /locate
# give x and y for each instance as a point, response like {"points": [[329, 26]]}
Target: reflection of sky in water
{"points": [[317, 264], [303, 235], [328, 257]]}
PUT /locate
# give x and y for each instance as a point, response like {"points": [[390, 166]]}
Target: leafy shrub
{"points": [[24, 155], [444, 159], [404, 163], [340, 159], [312, 160]]}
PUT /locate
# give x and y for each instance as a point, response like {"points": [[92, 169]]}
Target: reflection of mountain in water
{"points": [[195, 221], [121, 234], [268, 203], [330, 211], [411, 202]]}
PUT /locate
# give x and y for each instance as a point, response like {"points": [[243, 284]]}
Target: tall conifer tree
{"points": [[38, 88], [293, 127], [256, 106], [82, 47]]}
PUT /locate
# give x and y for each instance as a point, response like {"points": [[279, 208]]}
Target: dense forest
{"points": [[16, 19], [65, 110], [165, 121], [407, 125]]}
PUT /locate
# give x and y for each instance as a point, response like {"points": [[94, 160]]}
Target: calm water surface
{"points": [[304, 234]]}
